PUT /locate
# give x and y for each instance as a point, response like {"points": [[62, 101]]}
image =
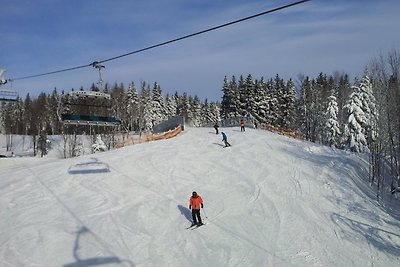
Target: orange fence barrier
{"points": [[150, 137], [283, 131]]}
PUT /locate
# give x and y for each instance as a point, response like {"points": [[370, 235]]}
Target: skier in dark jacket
{"points": [[216, 128], [195, 203], [225, 139]]}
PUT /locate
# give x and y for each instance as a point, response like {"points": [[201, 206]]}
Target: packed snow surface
{"points": [[268, 201]]}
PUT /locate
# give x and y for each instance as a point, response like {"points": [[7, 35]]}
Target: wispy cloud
{"points": [[319, 36]]}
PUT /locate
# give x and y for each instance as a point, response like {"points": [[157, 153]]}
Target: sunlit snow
{"points": [[268, 201]]}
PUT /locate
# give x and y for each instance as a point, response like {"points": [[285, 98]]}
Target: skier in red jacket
{"points": [[195, 203]]}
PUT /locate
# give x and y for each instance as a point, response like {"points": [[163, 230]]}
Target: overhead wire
{"points": [[95, 63]]}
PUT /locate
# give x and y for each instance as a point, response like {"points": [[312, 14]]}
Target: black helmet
{"points": [[194, 193]]}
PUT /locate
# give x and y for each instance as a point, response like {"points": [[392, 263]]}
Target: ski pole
{"points": [[204, 211]]}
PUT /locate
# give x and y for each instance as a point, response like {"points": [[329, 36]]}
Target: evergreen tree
{"points": [[19, 116], [145, 113], [172, 105], [118, 102], [261, 101], [42, 115], [354, 137], [320, 95], [369, 108], [158, 110], [205, 114], [230, 99], [332, 127], [242, 97], [28, 115], [227, 99], [235, 108], [132, 107], [250, 92], [306, 109], [195, 111], [184, 107], [289, 104], [53, 103], [344, 90], [214, 112], [272, 103], [279, 91]]}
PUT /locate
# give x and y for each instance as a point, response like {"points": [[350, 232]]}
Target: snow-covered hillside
{"points": [[268, 201]]}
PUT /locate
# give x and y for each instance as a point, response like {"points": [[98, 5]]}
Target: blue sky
{"points": [[317, 36]]}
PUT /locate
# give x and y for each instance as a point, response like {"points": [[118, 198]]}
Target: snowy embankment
{"points": [[269, 201]]}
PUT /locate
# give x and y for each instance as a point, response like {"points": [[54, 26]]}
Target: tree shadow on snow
{"points": [[185, 212], [381, 239], [93, 261]]}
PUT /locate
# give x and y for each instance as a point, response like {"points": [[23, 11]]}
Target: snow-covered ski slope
{"points": [[268, 201]]}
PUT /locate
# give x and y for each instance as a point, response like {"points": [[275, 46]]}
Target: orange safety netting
{"points": [[150, 137]]}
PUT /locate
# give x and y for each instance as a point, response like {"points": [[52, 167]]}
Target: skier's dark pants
{"points": [[226, 143], [196, 213]]}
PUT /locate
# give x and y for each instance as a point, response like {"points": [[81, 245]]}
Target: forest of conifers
{"points": [[362, 115]]}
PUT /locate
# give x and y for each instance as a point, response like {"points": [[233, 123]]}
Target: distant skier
{"points": [[216, 128], [242, 129], [195, 203], [225, 139]]}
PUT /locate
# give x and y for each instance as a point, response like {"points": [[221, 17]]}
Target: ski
{"points": [[192, 227], [196, 226]]}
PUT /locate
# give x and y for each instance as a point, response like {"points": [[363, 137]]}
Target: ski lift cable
{"points": [[95, 64], [205, 31]]}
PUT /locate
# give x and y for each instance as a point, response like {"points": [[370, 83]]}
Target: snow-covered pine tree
{"points": [[235, 105], [230, 99], [132, 108], [332, 127], [289, 102], [118, 100], [279, 89], [184, 107], [261, 101], [158, 110], [53, 105], [195, 111], [206, 116], [250, 92], [242, 97], [145, 114], [321, 93], [369, 108], [227, 99], [215, 112], [306, 108], [343, 93], [272, 103], [172, 105], [354, 137]]}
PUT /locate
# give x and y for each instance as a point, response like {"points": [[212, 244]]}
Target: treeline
{"points": [[138, 109], [361, 115]]}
